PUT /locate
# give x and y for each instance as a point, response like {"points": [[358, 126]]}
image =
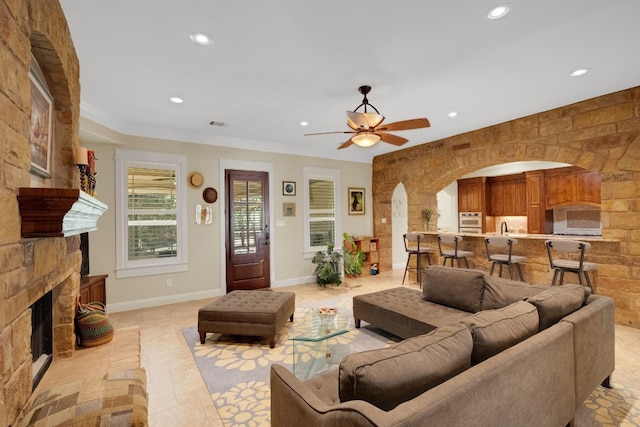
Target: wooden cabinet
{"points": [[93, 289], [370, 246], [472, 195], [507, 195], [539, 220], [570, 186]]}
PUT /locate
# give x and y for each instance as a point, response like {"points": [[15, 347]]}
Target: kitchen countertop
{"points": [[525, 236]]}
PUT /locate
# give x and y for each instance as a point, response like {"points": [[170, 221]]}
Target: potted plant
{"points": [[426, 214], [353, 257], [327, 269]]}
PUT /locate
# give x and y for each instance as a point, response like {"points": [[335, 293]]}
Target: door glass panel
{"points": [[247, 216]]}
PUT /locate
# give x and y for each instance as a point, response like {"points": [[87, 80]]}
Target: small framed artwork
{"points": [[356, 201], [41, 129], [288, 188], [288, 209]]}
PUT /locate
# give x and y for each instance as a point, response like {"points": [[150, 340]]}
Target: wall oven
{"points": [[470, 222]]}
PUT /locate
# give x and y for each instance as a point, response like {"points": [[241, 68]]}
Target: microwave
{"points": [[577, 221]]}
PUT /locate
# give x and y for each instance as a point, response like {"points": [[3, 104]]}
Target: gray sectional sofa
{"points": [[479, 351]]}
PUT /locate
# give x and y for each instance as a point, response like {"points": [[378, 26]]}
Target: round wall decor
{"points": [[210, 195], [195, 180]]}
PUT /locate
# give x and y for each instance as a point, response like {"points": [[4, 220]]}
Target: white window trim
{"points": [[308, 173], [124, 159]]}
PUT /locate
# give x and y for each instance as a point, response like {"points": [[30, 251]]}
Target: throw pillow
{"points": [[557, 302], [389, 376], [459, 288], [499, 292], [496, 330]]}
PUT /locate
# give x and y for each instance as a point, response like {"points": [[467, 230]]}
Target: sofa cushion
{"points": [[499, 292], [389, 376], [497, 330], [459, 288], [558, 301]]}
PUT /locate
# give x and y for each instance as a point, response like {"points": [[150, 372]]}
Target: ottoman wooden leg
{"points": [[272, 342], [203, 336], [291, 318]]}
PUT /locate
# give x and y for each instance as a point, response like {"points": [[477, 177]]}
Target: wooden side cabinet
{"points": [[472, 195], [93, 289]]}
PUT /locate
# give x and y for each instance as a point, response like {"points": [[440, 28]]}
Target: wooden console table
{"points": [[93, 289]]}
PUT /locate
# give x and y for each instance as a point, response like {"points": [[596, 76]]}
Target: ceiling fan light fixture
{"points": [[365, 139], [499, 11]]}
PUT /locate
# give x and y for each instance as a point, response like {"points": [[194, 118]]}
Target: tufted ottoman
{"points": [[254, 313]]}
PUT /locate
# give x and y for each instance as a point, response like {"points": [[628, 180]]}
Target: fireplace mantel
{"points": [[58, 212]]}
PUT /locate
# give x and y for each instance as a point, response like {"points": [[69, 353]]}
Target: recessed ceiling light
{"points": [[499, 11], [200, 38], [176, 100], [579, 72], [452, 114], [304, 123]]}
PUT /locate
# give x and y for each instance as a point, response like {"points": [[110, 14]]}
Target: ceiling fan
{"points": [[368, 129]]}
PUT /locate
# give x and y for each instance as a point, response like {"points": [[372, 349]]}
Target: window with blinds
{"points": [[321, 187], [322, 213], [151, 203], [151, 212]]}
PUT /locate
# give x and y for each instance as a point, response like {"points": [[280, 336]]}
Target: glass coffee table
{"points": [[312, 352]]}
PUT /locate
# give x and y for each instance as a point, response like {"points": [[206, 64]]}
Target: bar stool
{"points": [[451, 241], [501, 258], [562, 265], [413, 245]]}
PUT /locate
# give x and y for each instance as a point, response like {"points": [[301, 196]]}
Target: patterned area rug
{"points": [[236, 369], [236, 372]]}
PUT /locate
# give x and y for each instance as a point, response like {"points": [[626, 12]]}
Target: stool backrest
{"points": [[566, 247], [412, 241], [500, 243], [449, 239]]}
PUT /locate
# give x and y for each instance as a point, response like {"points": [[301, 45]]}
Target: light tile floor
{"points": [[177, 393]]}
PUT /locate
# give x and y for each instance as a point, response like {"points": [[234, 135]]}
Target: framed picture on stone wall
{"points": [[41, 128]]}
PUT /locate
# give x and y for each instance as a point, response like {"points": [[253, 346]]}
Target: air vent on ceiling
{"points": [[221, 124]]}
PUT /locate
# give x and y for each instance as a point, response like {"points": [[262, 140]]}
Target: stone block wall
{"points": [[29, 268], [600, 134]]}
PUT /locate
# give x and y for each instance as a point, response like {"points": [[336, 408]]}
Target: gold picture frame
{"points": [[288, 209], [356, 201], [41, 129]]}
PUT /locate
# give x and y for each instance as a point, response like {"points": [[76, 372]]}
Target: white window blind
{"points": [[151, 213], [321, 208]]}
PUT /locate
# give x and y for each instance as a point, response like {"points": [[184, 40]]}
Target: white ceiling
{"points": [[275, 63]]}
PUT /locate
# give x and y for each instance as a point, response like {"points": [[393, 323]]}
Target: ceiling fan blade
{"points": [[330, 133], [345, 144], [365, 120], [405, 125], [392, 139]]}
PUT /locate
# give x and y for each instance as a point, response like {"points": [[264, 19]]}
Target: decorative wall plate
{"points": [[195, 180], [210, 195]]}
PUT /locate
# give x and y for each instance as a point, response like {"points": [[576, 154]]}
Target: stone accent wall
{"points": [[600, 134], [31, 267]]}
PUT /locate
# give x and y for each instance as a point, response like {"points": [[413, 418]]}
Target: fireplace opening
{"points": [[41, 337]]}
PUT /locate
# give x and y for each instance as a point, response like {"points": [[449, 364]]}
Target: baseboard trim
{"points": [[158, 301]]}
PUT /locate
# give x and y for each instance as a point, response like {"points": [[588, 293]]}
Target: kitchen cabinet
{"points": [[507, 195], [472, 194], [571, 186], [539, 220]]}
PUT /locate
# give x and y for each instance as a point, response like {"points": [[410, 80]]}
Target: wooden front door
{"points": [[247, 230]]}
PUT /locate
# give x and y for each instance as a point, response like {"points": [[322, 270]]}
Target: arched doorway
{"points": [[399, 225]]}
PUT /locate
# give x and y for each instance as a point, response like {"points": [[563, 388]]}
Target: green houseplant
{"points": [[353, 257], [327, 269], [426, 214]]}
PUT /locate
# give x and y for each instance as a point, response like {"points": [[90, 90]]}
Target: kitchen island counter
{"points": [[536, 269]]}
